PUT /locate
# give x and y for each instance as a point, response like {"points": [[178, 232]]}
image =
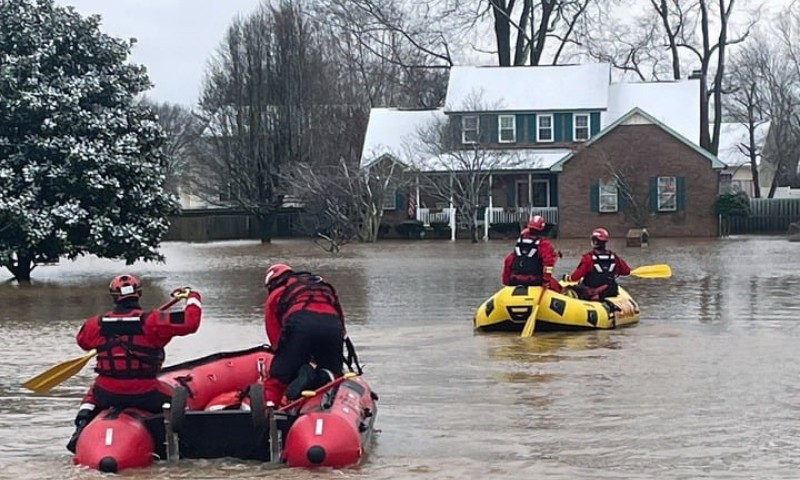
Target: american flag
{"points": [[412, 206]]}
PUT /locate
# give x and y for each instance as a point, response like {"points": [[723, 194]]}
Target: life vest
{"points": [[527, 262], [127, 353], [604, 270], [306, 289]]}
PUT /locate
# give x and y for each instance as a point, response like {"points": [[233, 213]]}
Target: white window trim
{"points": [[516, 192], [547, 192], [464, 130], [575, 126], [658, 194], [600, 186], [539, 128], [513, 129], [393, 204]]}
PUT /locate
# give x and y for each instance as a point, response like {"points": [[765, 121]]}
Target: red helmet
{"points": [[124, 286], [600, 234], [537, 223], [274, 272]]}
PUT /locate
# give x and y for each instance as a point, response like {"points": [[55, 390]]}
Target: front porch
{"points": [[496, 216]]}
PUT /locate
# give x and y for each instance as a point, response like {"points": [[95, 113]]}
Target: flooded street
{"points": [[706, 386]]}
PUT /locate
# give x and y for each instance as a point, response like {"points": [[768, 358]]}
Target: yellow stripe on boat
{"points": [[509, 308]]}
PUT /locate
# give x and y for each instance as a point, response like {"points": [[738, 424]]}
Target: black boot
{"points": [[83, 418], [305, 379]]}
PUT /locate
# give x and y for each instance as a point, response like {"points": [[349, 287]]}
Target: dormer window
{"points": [[469, 129], [544, 128], [507, 128], [580, 127]]}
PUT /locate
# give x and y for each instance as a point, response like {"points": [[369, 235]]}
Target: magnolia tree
{"points": [[81, 167]]}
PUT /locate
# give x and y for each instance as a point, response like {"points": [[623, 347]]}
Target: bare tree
{"points": [[534, 25], [259, 99], [182, 129], [457, 174], [634, 193]]}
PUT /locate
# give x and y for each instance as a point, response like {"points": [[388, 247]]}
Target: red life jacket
{"points": [[305, 289], [527, 265], [127, 351]]}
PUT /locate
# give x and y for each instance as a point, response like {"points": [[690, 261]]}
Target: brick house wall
{"points": [[642, 151]]}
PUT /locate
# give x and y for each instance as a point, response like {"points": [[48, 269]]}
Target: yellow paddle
{"points": [[530, 324], [660, 270], [59, 373]]}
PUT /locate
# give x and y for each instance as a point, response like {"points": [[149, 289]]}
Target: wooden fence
{"points": [[204, 225], [767, 215]]}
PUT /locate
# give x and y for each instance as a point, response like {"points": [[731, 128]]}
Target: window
{"points": [[469, 129], [667, 194], [507, 128], [580, 127], [390, 199], [538, 195], [608, 196], [544, 130]]}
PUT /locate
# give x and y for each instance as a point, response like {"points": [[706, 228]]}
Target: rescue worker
{"points": [[533, 259], [598, 269], [304, 323], [130, 350]]}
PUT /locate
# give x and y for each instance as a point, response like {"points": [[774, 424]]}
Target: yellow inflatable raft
{"points": [[510, 307]]}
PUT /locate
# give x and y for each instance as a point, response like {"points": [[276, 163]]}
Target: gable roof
{"points": [[391, 131], [732, 135], [495, 160], [673, 103], [715, 162], [537, 88]]}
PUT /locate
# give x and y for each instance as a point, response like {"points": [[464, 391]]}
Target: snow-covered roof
{"points": [[733, 135], [390, 131], [676, 104], [494, 160], [538, 88]]}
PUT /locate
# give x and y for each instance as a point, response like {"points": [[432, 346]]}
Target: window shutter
{"points": [[488, 129], [680, 194], [594, 197], [595, 121], [620, 199], [653, 194], [532, 128]]}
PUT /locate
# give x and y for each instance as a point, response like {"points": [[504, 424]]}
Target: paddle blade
{"points": [[661, 270], [55, 375], [530, 324]]}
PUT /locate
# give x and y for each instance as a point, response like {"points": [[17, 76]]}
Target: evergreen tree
{"points": [[81, 166]]}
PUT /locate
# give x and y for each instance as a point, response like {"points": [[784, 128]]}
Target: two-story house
{"points": [[567, 143]]}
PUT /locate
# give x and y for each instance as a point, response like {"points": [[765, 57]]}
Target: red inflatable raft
{"points": [[327, 427]]}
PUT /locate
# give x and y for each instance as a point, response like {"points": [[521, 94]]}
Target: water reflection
{"points": [[705, 386]]}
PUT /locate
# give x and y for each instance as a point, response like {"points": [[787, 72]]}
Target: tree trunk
{"points": [[265, 224], [22, 268], [502, 32]]}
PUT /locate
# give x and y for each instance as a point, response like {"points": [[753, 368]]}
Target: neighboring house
{"points": [[573, 146], [734, 151]]}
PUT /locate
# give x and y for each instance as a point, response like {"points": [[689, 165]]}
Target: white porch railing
{"points": [[445, 216], [496, 215]]}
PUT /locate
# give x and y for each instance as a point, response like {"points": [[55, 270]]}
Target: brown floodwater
{"points": [[706, 386]]}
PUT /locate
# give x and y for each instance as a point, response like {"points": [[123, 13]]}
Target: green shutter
{"points": [[488, 126], [594, 197], [595, 122], [563, 127], [531, 127], [553, 191], [520, 121], [681, 193], [620, 199], [653, 194]]}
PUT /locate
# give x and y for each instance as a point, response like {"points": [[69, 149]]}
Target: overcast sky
{"points": [[175, 37]]}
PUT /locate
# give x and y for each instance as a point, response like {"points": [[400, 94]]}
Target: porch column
{"points": [[453, 224], [416, 214], [487, 219], [530, 196]]}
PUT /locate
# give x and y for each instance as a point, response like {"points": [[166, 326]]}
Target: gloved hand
{"points": [[566, 278], [181, 292]]}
